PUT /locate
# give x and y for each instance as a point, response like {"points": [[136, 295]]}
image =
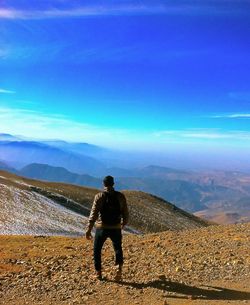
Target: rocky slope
{"points": [[26, 212], [38, 207], [203, 266]]}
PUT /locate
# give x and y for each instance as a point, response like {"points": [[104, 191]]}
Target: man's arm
{"points": [[124, 211], [93, 215]]}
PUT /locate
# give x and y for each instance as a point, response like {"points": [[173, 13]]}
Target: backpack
{"points": [[111, 209]]}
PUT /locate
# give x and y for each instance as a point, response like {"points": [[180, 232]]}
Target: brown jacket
{"points": [[97, 205]]}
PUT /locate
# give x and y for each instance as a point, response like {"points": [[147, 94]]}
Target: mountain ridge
{"points": [[148, 213], [194, 192], [32, 151]]}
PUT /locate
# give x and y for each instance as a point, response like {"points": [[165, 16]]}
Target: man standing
{"points": [[110, 210]]}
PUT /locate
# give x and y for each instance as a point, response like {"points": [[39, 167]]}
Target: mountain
{"points": [[21, 153], [196, 191], [38, 207], [181, 192], [79, 148], [159, 171], [6, 167], [8, 137], [227, 213], [3, 166], [208, 194], [184, 194], [224, 216], [205, 266], [58, 174], [147, 171]]}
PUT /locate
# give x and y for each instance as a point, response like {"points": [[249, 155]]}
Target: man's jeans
{"points": [[100, 237]]}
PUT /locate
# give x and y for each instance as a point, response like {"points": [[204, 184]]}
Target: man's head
{"points": [[108, 181]]}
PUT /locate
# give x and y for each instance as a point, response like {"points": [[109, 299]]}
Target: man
{"points": [[110, 210]]}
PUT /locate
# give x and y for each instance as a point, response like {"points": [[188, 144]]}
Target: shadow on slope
{"points": [[185, 291]]}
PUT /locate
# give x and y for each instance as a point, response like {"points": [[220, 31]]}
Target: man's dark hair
{"points": [[108, 181]]}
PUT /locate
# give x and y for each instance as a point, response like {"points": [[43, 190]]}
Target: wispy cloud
{"points": [[6, 91], [232, 116], [35, 124], [80, 12], [130, 8], [204, 134]]}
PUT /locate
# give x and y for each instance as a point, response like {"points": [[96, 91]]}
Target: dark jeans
{"points": [[100, 237]]}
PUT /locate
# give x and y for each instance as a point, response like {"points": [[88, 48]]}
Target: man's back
{"points": [[110, 212], [106, 206]]}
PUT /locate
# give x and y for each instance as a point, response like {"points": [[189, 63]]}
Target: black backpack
{"points": [[111, 209]]}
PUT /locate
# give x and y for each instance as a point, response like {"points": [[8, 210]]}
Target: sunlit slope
{"points": [[38, 207], [23, 211]]}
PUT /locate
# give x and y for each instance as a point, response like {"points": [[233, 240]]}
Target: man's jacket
{"points": [[97, 206]]}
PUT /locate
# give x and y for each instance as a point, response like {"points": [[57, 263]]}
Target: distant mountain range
{"points": [[58, 174], [8, 137], [210, 193], [21, 153], [78, 148], [4, 166], [196, 194]]}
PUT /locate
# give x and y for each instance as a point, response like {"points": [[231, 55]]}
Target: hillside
{"points": [[168, 268], [58, 174], [38, 207], [209, 193]]}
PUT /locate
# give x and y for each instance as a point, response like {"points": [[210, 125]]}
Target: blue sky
{"points": [[129, 74]]}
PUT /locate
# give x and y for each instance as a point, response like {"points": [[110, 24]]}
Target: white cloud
{"points": [[7, 13], [11, 13], [232, 116], [129, 8], [204, 134], [39, 125], [6, 91]]}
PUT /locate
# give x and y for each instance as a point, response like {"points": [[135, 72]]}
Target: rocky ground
{"points": [[203, 266]]}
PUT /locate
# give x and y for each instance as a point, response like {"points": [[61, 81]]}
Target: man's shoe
{"points": [[99, 275], [118, 275]]}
